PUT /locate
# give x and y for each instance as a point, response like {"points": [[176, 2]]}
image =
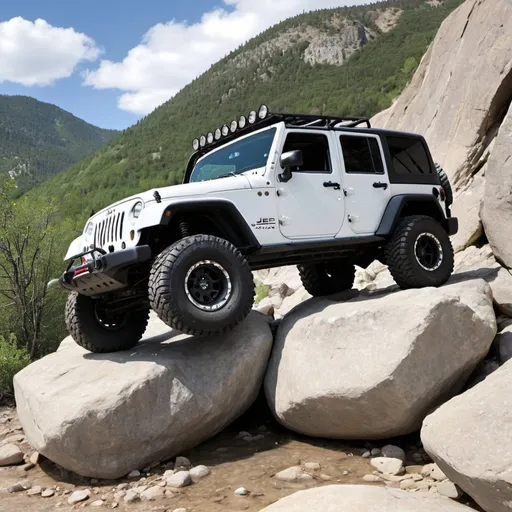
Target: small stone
{"points": [[423, 486], [448, 489], [433, 471], [258, 437], [182, 462], [413, 469], [133, 474], [79, 496], [407, 484], [416, 477], [122, 487], [180, 510], [243, 434], [247, 438], [168, 473], [293, 474], [36, 458], [371, 478], [140, 489], [366, 454], [325, 477], [16, 438], [131, 496], [312, 465], [345, 473], [199, 472], [375, 452], [47, 493], [169, 494], [20, 486], [114, 505], [394, 452], [179, 479], [153, 493], [97, 503], [10, 455], [417, 457], [119, 495], [388, 465], [241, 491], [33, 491]]}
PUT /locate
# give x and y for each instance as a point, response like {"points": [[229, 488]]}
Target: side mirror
{"points": [[289, 160]]}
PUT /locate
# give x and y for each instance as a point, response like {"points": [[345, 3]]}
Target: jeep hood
{"points": [[202, 188]]}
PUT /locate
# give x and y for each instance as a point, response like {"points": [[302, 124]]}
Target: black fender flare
{"points": [[428, 202], [225, 214]]}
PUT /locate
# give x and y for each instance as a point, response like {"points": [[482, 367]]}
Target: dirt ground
{"points": [[233, 462]]}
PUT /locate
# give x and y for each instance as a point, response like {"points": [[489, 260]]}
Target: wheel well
{"points": [[429, 208], [220, 221]]}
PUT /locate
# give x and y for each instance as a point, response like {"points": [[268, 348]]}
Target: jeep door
{"points": [[367, 187], [310, 204]]}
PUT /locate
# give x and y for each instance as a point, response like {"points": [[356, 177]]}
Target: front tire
{"points": [[321, 279], [419, 253], [95, 329], [201, 285]]}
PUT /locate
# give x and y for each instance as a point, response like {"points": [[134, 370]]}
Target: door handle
{"points": [[330, 184], [380, 185]]}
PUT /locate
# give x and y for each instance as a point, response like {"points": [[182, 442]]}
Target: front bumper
{"points": [[101, 274], [452, 226]]}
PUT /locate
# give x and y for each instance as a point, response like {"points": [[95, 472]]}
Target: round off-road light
{"points": [[89, 229], [137, 209], [252, 116], [234, 126], [242, 122], [195, 144], [263, 112], [209, 137], [202, 141], [218, 134], [225, 130]]}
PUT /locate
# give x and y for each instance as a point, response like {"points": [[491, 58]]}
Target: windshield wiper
{"points": [[227, 175]]}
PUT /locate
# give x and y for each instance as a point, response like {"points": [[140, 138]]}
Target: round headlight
{"points": [[89, 229], [252, 116], [225, 130], [195, 144], [263, 112], [137, 209], [242, 122], [202, 141], [218, 134], [209, 138], [234, 126]]}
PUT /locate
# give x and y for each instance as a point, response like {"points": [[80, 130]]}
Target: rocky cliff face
{"points": [[458, 99]]}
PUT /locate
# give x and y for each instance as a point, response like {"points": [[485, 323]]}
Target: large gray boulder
{"points": [[103, 415], [497, 207], [470, 438], [374, 366], [363, 498]]}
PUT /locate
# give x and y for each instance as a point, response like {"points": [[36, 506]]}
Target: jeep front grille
{"points": [[109, 230]]}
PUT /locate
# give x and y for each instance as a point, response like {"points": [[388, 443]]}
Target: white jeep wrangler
{"points": [[321, 192]]}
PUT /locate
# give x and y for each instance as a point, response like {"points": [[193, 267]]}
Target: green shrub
{"points": [[12, 360], [261, 292]]}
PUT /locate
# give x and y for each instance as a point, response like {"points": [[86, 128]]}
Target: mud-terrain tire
{"points": [[201, 285], [419, 253], [445, 183], [322, 279], [96, 331]]}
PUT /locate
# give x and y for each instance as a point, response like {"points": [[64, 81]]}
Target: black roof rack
{"points": [[304, 120]]}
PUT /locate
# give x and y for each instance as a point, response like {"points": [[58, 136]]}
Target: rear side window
{"points": [[409, 156], [361, 155]]}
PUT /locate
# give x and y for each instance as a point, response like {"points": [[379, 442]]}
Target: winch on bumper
{"points": [[102, 273]]}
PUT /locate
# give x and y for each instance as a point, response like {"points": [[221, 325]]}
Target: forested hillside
{"points": [[273, 68], [38, 140]]}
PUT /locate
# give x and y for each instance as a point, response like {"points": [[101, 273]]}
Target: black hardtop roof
{"points": [[299, 121]]}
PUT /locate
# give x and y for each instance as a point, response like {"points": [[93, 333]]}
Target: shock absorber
{"points": [[184, 229]]}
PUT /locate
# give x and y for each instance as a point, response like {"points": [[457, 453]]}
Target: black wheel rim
{"points": [[428, 252], [109, 320], [208, 285]]}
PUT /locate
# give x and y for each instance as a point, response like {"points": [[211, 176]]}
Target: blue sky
{"points": [[112, 61]]}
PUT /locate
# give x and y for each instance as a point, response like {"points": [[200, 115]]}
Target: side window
{"points": [[315, 151], [361, 155], [409, 156]]}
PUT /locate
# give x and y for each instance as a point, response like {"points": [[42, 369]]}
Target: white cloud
{"points": [[36, 53], [172, 54]]}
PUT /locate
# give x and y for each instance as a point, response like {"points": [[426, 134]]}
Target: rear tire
{"points": [[322, 279], [419, 253], [93, 328], [201, 285], [445, 183]]}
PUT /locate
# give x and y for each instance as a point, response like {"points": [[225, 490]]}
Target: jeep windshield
{"points": [[244, 155]]}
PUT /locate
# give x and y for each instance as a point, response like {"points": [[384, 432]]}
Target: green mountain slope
{"points": [[38, 140], [338, 61]]}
